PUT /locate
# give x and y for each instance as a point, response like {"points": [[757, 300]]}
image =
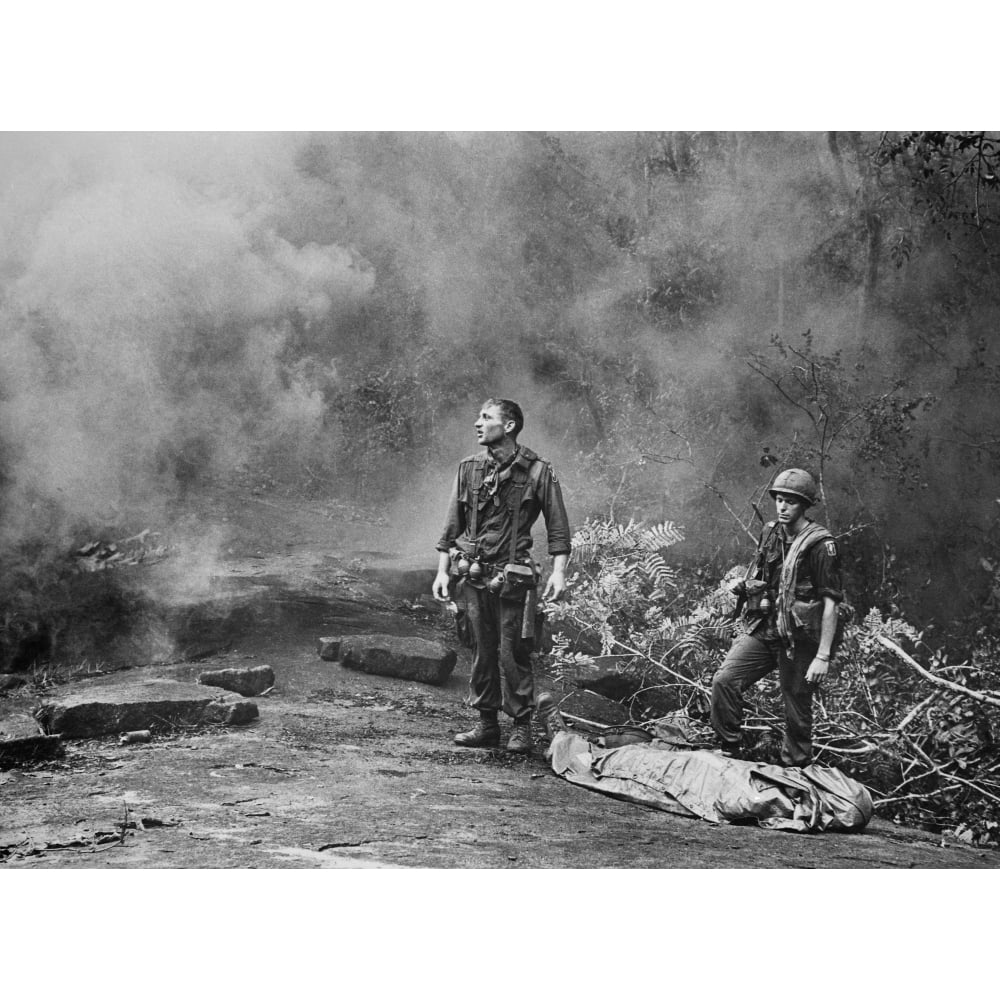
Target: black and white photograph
{"points": [[436, 499], [433, 506]]}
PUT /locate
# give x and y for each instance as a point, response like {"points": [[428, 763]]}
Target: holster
{"points": [[528, 619]]}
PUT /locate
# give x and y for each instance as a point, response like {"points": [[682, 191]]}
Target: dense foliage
{"points": [[921, 740]]}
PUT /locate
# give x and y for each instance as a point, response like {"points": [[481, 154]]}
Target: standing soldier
{"points": [[789, 602], [485, 549]]}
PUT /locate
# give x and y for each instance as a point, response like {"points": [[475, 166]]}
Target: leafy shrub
{"points": [[924, 744]]}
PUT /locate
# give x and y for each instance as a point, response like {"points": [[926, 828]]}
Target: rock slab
{"points": [[247, 681], [154, 705], [22, 740], [408, 657]]}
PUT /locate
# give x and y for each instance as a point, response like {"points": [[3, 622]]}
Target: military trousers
{"points": [[502, 675], [748, 660]]}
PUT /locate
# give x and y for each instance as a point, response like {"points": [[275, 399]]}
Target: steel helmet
{"points": [[798, 482]]}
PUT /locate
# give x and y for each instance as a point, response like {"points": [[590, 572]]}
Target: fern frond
{"points": [[658, 573], [661, 536]]}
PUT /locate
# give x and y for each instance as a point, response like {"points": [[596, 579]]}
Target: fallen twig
{"points": [[584, 722], [866, 749], [914, 795]]}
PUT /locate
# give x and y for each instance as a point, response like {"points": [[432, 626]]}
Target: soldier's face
{"points": [[790, 510], [490, 426]]}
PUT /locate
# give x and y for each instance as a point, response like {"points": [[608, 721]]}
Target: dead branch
{"points": [[915, 796], [934, 679], [917, 709], [867, 748], [586, 723], [721, 496]]}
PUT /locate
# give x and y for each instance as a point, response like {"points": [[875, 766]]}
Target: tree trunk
{"points": [[872, 221]]}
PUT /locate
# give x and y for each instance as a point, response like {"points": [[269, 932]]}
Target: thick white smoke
{"points": [[148, 301]]}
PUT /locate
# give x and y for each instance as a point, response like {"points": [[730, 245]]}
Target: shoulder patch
{"points": [[831, 548]]}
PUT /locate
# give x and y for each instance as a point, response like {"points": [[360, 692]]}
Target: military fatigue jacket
{"points": [[541, 495]]}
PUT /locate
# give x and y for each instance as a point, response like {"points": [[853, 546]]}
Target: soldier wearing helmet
{"points": [[789, 603]]}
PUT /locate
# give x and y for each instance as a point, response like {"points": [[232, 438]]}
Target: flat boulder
{"points": [[247, 681], [408, 657], [157, 705], [22, 740]]}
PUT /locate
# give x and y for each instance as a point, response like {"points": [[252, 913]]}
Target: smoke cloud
{"points": [[150, 304], [173, 307]]}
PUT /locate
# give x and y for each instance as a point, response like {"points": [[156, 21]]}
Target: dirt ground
{"points": [[349, 770]]}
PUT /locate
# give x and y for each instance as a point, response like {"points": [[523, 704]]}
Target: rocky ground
{"points": [[347, 769]]}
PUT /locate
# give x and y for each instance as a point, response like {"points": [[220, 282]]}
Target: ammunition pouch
{"points": [[518, 579], [807, 621]]}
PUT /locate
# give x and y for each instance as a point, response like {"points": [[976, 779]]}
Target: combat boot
{"points": [[550, 716], [485, 733], [520, 736]]}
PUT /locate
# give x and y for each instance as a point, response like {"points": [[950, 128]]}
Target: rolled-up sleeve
{"points": [[454, 523], [824, 565], [554, 511]]}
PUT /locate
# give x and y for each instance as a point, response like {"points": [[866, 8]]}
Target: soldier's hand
{"points": [[440, 587], [555, 587], [817, 671]]}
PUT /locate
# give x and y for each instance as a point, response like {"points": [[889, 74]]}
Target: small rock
{"points": [[247, 681], [232, 713], [137, 736], [329, 649]]}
